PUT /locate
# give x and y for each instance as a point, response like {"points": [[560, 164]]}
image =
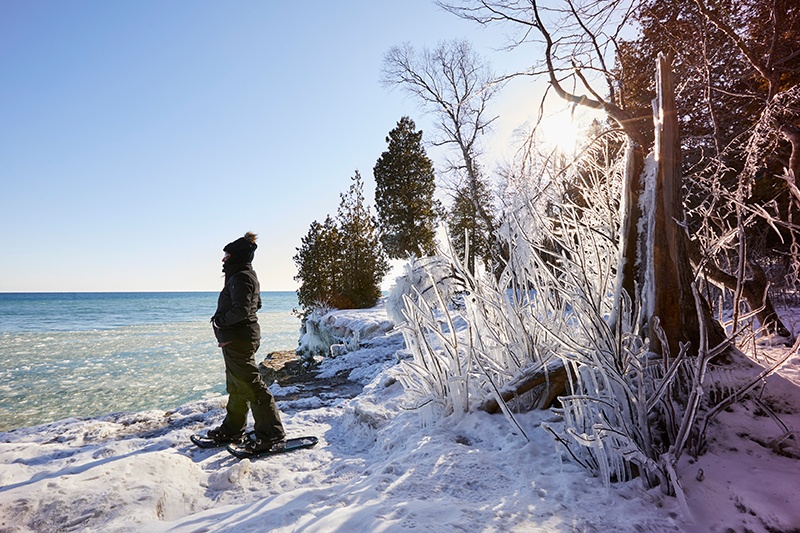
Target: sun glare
{"points": [[561, 130]]}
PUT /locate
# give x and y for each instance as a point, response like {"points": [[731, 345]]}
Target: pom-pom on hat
{"points": [[243, 249]]}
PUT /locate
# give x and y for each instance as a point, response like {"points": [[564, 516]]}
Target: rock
{"points": [[301, 381], [280, 366]]}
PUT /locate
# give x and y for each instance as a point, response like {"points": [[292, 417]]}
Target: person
{"points": [[239, 335]]}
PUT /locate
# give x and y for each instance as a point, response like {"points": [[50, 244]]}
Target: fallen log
{"points": [[544, 383]]}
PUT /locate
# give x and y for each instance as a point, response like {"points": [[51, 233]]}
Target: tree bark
{"points": [[670, 298], [554, 378]]}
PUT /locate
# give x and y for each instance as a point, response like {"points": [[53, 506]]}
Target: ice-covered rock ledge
{"points": [[332, 333]]}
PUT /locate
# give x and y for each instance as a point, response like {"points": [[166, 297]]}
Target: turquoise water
{"points": [[68, 355]]}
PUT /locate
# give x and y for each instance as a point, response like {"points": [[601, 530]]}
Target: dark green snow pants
{"points": [[244, 385]]}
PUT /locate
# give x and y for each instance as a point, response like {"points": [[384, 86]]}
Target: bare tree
{"points": [[454, 83]]}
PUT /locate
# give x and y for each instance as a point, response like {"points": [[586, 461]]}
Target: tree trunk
{"points": [[629, 268], [754, 292], [670, 298], [792, 134], [655, 269]]}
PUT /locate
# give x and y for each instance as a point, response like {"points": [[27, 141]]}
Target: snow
{"points": [[377, 469]]}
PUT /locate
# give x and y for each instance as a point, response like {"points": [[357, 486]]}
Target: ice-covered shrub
{"points": [[315, 340], [556, 300], [417, 277], [468, 337], [629, 411]]}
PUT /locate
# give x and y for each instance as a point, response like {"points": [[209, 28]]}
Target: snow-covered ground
{"points": [[377, 469]]}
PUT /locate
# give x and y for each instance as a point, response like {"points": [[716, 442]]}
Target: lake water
{"points": [[87, 354]]}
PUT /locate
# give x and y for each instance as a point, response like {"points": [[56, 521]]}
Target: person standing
{"points": [[239, 335]]}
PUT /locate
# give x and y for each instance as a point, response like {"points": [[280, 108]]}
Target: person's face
{"points": [[226, 257]]}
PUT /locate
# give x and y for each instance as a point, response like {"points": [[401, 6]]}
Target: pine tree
{"points": [[363, 261], [341, 263], [466, 227], [319, 266], [404, 179]]}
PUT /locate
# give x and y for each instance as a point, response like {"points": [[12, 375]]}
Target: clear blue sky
{"points": [[138, 137]]}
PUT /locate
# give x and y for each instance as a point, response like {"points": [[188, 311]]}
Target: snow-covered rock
{"points": [[331, 333]]}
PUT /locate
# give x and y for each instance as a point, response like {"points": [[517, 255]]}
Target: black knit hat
{"points": [[243, 249]]}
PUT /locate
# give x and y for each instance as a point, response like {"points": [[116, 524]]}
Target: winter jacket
{"points": [[237, 306]]}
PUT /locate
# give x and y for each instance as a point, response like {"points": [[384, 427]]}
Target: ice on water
{"points": [[90, 363]]}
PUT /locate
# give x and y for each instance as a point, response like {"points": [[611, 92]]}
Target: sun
{"points": [[561, 130], [568, 128]]}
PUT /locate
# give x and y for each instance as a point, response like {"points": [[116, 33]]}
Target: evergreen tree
{"points": [[363, 261], [341, 263], [404, 179], [319, 266], [466, 227]]}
